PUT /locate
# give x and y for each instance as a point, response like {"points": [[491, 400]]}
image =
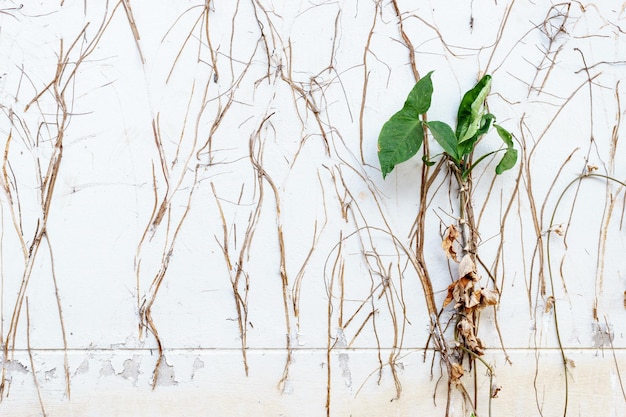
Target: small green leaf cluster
{"points": [[403, 134]]}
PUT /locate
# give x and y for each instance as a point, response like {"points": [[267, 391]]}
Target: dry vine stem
{"points": [[181, 175], [60, 88], [469, 298], [61, 91], [393, 148]]}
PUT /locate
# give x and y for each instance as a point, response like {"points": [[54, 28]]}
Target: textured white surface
{"points": [[266, 116]]}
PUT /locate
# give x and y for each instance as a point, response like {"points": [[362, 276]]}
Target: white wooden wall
{"points": [[207, 172]]}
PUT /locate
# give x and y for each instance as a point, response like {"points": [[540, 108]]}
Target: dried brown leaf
{"points": [[495, 389], [476, 345], [450, 295], [458, 292], [462, 292], [559, 230], [473, 299], [448, 243], [488, 297], [466, 328], [457, 373], [467, 331], [466, 266]]}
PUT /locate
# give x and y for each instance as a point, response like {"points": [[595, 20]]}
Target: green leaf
{"points": [[466, 147], [420, 96], [509, 159], [444, 135], [470, 113], [400, 138], [402, 135], [505, 135], [485, 124]]}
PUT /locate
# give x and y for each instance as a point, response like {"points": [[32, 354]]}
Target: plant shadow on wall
{"points": [[400, 139]]}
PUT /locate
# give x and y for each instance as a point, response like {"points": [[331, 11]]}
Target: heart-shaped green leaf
{"points": [[402, 135], [445, 137], [420, 96], [399, 139]]}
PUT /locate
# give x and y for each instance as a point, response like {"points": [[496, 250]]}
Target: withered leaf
{"points": [[449, 239], [473, 300], [488, 297], [457, 372], [462, 292], [450, 295], [476, 345], [467, 331], [495, 389], [465, 294], [465, 327], [559, 230], [467, 266]]}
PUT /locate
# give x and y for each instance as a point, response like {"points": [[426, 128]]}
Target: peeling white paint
{"points": [[602, 334], [198, 364], [50, 374], [344, 364], [131, 369], [14, 366], [167, 376], [107, 368]]}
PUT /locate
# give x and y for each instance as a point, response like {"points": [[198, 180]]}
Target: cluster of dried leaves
{"points": [[468, 296]]}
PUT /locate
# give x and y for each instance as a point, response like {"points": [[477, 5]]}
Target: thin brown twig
{"points": [[32, 361], [406, 40], [133, 26], [256, 159]]}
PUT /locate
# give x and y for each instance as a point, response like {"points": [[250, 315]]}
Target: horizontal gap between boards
{"points": [[403, 351]]}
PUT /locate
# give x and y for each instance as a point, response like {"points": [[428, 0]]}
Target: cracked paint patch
{"points": [[50, 374], [15, 366], [602, 335], [83, 368], [166, 374], [131, 369], [344, 364], [197, 365], [344, 358], [107, 368]]}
